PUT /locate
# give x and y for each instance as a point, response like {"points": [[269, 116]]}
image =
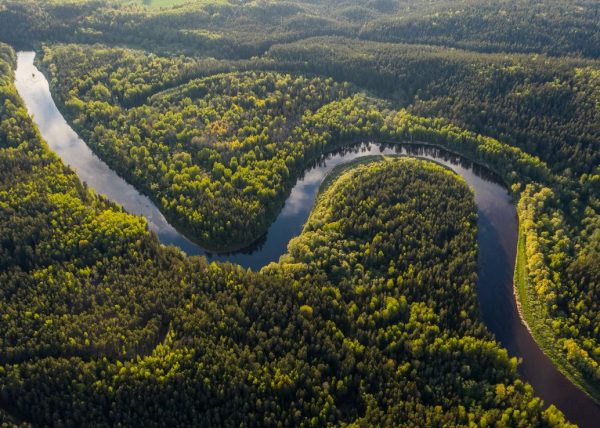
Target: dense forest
{"points": [[227, 28], [547, 106], [214, 109], [103, 325]]}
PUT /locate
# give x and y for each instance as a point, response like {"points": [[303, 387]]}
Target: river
{"points": [[496, 235]]}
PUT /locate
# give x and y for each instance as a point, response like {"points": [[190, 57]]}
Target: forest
{"points": [[245, 28], [103, 325], [214, 109]]}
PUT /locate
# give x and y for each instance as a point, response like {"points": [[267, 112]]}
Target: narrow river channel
{"points": [[497, 231]]}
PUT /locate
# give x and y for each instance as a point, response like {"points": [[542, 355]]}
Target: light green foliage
{"points": [[551, 283]]}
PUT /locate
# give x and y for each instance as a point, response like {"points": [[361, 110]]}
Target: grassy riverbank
{"points": [[533, 314]]}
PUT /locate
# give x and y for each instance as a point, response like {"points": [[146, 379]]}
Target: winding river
{"points": [[497, 231]]}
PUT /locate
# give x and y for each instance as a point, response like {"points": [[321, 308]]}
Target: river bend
{"points": [[496, 235]]}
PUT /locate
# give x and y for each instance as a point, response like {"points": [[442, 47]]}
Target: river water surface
{"points": [[496, 235]]}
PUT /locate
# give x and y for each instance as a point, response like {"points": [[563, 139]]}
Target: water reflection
{"points": [[497, 231]]}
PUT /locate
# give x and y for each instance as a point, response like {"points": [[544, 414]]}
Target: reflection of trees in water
{"points": [[417, 149], [250, 249], [321, 161]]}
